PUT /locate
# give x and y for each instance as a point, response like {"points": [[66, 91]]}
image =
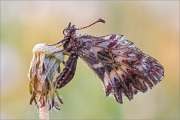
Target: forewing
{"points": [[121, 66]]}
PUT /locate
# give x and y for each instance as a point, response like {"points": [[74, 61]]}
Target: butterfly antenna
{"points": [[57, 42], [99, 20]]}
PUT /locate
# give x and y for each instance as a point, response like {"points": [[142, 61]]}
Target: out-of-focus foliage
{"points": [[152, 25]]}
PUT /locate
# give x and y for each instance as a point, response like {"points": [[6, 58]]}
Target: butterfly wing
{"points": [[122, 67]]}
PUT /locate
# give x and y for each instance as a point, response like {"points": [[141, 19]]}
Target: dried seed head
{"points": [[45, 62]]}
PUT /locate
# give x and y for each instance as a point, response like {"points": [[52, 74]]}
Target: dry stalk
{"points": [[42, 88]]}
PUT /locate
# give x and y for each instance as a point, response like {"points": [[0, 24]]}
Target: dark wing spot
{"points": [[112, 37], [91, 60], [100, 72], [108, 67], [126, 62], [104, 56], [108, 89], [112, 44]]}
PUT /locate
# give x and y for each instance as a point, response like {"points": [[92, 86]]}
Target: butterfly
{"points": [[123, 69]]}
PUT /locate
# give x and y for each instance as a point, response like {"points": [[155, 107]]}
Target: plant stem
{"points": [[42, 107], [43, 113]]}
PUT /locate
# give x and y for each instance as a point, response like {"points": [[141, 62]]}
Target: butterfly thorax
{"points": [[70, 34]]}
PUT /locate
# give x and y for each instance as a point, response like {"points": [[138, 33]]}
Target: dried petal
{"points": [[45, 62]]}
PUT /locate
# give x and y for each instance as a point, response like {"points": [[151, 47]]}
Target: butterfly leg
{"points": [[67, 53], [68, 72]]}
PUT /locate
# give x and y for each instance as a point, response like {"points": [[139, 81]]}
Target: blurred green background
{"points": [[152, 25]]}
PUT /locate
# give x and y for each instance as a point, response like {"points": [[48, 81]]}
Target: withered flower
{"points": [[45, 62]]}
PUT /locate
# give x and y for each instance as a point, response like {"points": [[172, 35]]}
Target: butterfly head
{"points": [[70, 30], [70, 34]]}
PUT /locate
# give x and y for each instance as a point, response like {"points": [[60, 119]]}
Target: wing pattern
{"points": [[122, 67]]}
